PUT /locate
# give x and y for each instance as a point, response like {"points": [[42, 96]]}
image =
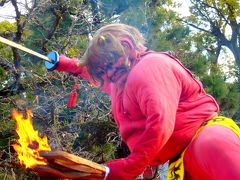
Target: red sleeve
{"points": [[157, 92], [71, 65]]}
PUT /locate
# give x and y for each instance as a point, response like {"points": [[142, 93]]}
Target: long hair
{"points": [[107, 47]]}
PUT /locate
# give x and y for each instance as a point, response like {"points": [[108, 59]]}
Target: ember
{"points": [[29, 143]]}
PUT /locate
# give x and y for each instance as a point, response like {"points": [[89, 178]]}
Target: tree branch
{"points": [[194, 26], [3, 2], [58, 13], [219, 12]]}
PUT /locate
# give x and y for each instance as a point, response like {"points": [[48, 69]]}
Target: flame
{"points": [[29, 143]]}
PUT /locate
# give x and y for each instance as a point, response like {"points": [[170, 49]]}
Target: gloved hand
{"points": [[107, 171], [54, 58]]}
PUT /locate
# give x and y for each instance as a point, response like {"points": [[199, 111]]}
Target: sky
{"points": [[184, 8], [7, 12]]}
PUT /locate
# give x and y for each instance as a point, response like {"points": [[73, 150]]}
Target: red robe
{"points": [[157, 106]]}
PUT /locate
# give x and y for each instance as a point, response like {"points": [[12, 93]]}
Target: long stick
{"points": [[18, 46]]}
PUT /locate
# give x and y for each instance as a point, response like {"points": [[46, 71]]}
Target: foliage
{"points": [[7, 27], [216, 18]]}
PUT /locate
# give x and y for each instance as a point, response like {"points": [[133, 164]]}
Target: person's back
{"points": [[193, 105]]}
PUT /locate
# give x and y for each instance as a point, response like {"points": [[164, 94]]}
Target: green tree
{"points": [[216, 18], [164, 32]]}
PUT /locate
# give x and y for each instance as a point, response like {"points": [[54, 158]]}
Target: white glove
{"points": [[107, 171]]}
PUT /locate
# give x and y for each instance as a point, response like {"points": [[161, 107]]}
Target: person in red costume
{"points": [[161, 109]]}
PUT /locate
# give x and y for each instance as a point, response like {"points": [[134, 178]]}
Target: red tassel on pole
{"points": [[72, 101]]}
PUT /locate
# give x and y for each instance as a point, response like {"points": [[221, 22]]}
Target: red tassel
{"points": [[72, 101]]}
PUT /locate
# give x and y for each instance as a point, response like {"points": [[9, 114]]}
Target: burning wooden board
{"points": [[64, 165]]}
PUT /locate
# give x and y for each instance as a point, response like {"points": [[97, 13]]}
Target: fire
{"points": [[30, 144]]}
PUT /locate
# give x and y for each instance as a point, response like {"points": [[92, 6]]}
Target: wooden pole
{"points": [[20, 47]]}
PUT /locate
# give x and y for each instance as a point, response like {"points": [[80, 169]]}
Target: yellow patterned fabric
{"points": [[176, 166]]}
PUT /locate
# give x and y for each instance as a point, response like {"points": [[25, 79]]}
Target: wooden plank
{"points": [[70, 158], [66, 165], [75, 166], [48, 171]]}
